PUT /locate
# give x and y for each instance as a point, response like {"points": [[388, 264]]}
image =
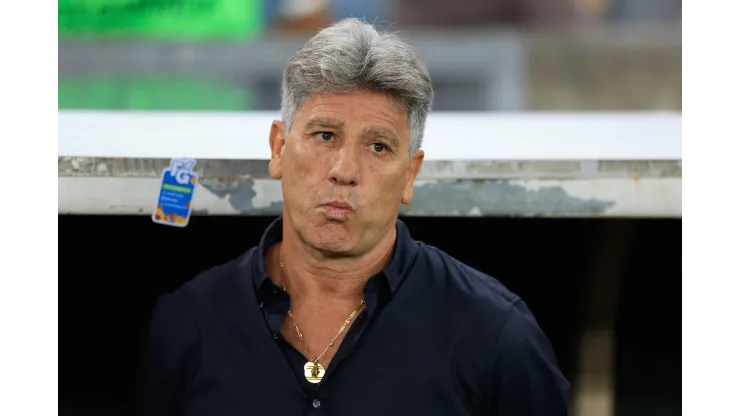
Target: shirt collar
{"points": [[404, 254]]}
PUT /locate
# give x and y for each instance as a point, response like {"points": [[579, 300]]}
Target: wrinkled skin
{"points": [[352, 149]]}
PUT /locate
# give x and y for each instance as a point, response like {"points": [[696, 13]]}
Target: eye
{"points": [[325, 135], [378, 147]]}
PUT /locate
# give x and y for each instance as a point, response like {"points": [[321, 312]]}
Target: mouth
{"points": [[338, 209]]}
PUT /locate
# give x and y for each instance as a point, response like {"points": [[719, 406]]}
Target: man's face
{"points": [[345, 170]]}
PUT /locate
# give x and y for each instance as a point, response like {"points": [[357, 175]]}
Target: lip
{"points": [[338, 208]]}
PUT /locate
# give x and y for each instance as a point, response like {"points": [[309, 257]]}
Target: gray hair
{"points": [[351, 55]]}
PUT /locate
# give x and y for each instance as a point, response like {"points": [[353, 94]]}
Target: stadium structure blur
{"points": [[574, 55]]}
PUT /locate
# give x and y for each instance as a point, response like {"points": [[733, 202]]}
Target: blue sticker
{"points": [[176, 193]]}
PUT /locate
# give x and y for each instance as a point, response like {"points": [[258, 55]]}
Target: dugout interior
{"points": [[616, 279]]}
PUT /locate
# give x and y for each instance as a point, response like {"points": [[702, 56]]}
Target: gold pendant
{"points": [[313, 371]]}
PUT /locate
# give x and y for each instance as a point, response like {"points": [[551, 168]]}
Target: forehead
{"points": [[366, 109]]}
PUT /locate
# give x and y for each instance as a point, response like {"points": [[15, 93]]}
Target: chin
{"points": [[330, 236]]}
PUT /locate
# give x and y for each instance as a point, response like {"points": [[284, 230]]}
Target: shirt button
{"points": [[316, 403], [261, 305]]}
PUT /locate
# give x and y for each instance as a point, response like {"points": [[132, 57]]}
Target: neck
{"points": [[310, 274]]}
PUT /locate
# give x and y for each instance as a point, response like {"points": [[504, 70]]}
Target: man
{"points": [[339, 311]]}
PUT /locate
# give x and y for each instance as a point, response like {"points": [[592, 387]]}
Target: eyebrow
{"points": [[383, 133], [321, 122]]}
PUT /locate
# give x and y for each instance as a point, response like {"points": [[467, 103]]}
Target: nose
{"points": [[346, 167]]}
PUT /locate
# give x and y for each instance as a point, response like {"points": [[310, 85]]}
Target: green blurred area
{"points": [[193, 19], [151, 93], [156, 19]]}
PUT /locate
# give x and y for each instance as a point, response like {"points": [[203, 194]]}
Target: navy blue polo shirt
{"points": [[437, 338]]}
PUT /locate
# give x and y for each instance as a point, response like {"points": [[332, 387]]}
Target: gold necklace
{"points": [[313, 370]]}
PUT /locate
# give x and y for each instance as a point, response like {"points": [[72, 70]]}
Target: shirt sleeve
{"points": [[165, 357], [526, 377]]}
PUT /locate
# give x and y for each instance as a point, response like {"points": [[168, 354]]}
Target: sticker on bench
{"points": [[176, 191]]}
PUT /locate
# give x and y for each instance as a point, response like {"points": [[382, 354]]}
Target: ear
{"points": [[414, 167], [277, 144]]}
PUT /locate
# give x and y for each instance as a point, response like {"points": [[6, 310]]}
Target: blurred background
{"points": [[618, 335], [483, 54]]}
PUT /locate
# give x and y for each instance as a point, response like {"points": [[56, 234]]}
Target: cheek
{"points": [[387, 185], [302, 175], [307, 156]]}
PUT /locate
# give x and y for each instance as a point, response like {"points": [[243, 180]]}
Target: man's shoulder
{"points": [[495, 323], [464, 283], [218, 282]]}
